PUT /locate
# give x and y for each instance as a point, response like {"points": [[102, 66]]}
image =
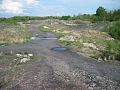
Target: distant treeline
{"points": [[101, 15]]}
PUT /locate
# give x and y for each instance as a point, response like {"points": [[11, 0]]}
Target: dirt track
{"points": [[61, 70]]}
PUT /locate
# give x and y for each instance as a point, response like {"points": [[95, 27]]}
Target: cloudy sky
{"points": [[53, 7]]}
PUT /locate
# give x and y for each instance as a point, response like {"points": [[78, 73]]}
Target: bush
{"points": [[101, 14], [65, 17], [113, 30], [113, 47]]}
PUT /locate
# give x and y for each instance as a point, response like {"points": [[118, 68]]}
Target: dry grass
{"points": [[11, 33]]}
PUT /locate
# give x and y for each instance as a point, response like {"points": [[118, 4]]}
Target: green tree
{"points": [[101, 14], [65, 17]]}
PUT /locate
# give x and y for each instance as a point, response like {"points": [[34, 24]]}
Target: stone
{"points": [[98, 77], [31, 55], [24, 60], [91, 88], [45, 27], [91, 45], [25, 55], [105, 58], [99, 59], [19, 55], [1, 53], [67, 38], [66, 32], [93, 85]]}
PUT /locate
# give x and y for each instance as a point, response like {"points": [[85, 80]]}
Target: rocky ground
{"points": [[52, 70], [84, 38]]}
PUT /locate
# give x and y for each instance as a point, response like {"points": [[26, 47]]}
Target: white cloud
{"points": [[53, 7], [10, 6], [34, 2], [16, 6]]}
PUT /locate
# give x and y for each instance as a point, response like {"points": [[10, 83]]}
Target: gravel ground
{"points": [[61, 70]]}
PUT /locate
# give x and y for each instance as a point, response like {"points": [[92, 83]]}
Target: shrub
{"points": [[113, 30], [114, 47], [65, 17]]}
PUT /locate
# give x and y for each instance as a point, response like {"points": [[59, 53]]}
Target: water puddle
{"points": [[42, 38], [59, 49]]}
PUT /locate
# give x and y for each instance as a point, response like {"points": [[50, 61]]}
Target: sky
{"points": [[9, 8]]}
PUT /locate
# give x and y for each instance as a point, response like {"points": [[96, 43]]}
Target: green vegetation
{"points": [[24, 19], [65, 17], [14, 20], [113, 30], [101, 14], [114, 46]]}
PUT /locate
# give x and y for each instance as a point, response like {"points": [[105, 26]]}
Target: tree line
{"points": [[101, 15]]}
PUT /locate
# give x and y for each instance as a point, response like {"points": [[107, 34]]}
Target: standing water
{"points": [[42, 38], [59, 49]]}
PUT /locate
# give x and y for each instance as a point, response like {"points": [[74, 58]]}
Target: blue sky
{"points": [[53, 7]]}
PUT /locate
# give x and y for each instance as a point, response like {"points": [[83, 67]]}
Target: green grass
{"points": [[113, 46], [113, 30]]}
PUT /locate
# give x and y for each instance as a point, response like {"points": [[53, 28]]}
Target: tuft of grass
{"points": [[41, 28]]}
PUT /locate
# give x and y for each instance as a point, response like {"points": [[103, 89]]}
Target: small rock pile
{"points": [[68, 38], [91, 45], [24, 57]]}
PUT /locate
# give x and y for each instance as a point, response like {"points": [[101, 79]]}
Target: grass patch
{"points": [[13, 33], [113, 30], [44, 28]]}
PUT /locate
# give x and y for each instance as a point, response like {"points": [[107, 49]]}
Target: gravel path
{"points": [[61, 70]]}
